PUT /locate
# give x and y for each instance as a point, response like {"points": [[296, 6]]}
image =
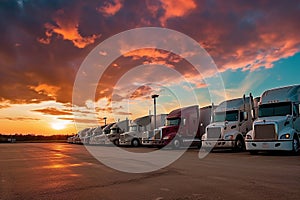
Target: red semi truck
{"points": [[184, 126]]}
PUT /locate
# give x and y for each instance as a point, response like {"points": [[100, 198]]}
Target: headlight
{"points": [[248, 137], [228, 137], [166, 137], [285, 136]]}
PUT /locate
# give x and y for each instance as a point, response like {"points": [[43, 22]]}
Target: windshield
{"points": [[275, 109], [226, 116], [133, 128], [114, 130], [173, 122]]}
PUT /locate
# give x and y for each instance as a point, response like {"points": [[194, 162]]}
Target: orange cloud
{"points": [[20, 118], [45, 89], [177, 8], [4, 106], [142, 91], [110, 9], [68, 29], [52, 111]]}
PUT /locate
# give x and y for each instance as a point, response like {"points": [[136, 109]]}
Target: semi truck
{"points": [[183, 127], [100, 134], [77, 139], [231, 121], [87, 136], [115, 131], [138, 126], [278, 124]]}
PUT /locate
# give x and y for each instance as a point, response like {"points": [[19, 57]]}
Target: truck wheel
{"points": [[295, 145], [176, 143], [239, 144], [199, 145], [135, 143], [116, 142]]}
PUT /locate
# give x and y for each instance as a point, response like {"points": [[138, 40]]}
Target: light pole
{"points": [[104, 120], [154, 96]]}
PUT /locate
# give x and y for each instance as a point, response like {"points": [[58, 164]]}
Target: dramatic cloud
{"points": [[45, 89], [178, 8], [142, 92], [110, 9], [68, 29]]}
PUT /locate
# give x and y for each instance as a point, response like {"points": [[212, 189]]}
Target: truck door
{"points": [[296, 117], [244, 122]]}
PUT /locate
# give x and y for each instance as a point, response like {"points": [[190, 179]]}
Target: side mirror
{"points": [[184, 122]]}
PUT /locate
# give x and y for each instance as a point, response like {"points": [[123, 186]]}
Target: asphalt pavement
{"points": [[68, 171]]}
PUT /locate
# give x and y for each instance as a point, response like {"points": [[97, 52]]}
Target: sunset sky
{"points": [[254, 44]]}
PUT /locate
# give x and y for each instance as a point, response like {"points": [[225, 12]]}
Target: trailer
{"points": [[231, 121], [278, 125]]}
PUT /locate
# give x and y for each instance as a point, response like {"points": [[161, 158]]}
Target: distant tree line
{"points": [[33, 138]]}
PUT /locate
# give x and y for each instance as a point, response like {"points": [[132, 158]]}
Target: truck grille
{"points": [[265, 131], [157, 134], [213, 132], [122, 137]]}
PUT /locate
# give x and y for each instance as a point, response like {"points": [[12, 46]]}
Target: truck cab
{"points": [[115, 131], [99, 135], [138, 127], [231, 121], [278, 123], [98, 131]]}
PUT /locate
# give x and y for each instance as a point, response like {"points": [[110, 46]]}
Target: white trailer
{"points": [[142, 124], [278, 123], [231, 121]]}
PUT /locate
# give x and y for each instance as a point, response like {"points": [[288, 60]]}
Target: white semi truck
{"points": [[100, 134], [138, 126], [115, 131], [85, 139], [278, 123], [231, 121]]}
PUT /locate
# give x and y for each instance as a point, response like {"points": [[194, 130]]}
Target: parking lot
{"points": [[65, 171]]}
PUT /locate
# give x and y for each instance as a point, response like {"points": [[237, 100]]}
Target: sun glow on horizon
{"points": [[58, 125]]}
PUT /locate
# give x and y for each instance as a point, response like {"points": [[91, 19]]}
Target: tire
{"points": [[116, 142], [295, 145], [176, 143], [239, 144], [135, 142], [199, 145]]}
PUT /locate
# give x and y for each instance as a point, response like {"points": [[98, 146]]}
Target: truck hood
{"points": [[223, 124], [169, 129], [279, 120], [133, 133]]}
